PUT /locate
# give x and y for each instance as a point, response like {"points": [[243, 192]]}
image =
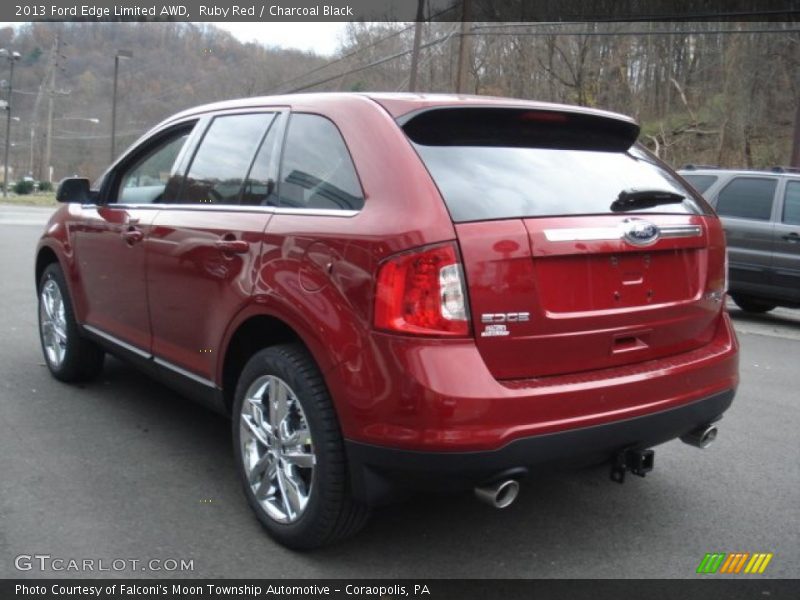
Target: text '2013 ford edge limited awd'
{"points": [[392, 292]]}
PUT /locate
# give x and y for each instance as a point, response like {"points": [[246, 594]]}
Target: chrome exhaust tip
{"points": [[702, 437], [499, 495]]}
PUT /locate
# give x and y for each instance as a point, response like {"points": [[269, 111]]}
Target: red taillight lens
{"points": [[422, 293]]}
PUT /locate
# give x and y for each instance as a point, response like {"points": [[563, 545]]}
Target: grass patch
{"points": [[37, 199]]}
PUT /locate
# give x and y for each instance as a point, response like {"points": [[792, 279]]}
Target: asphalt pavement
{"points": [[124, 469]]}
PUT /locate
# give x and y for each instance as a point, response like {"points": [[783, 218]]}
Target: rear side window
{"points": [[223, 159], [511, 163], [791, 203], [747, 198], [317, 171], [701, 182]]}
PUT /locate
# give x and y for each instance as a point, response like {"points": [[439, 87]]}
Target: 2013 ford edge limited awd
{"points": [[397, 292]]}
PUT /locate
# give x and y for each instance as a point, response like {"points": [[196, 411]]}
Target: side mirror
{"points": [[74, 190]]}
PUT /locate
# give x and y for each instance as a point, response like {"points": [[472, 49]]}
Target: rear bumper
{"points": [[379, 473]]}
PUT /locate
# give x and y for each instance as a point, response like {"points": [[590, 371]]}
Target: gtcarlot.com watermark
{"points": [[58, 564]]}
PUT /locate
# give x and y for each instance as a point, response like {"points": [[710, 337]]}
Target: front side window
{"points": [[317, 171], [223, 159], [747, 198], [791, 203], [146, 181]]}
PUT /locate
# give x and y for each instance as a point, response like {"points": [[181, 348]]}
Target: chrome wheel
{"points": [[53, 323], [277, 449]]}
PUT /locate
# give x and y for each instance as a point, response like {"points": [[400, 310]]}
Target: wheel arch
{"points": [[252, 333]]}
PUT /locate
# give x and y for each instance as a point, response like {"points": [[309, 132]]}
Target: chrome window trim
{"points": [[144, 354], [317, 212], [595, 234]]}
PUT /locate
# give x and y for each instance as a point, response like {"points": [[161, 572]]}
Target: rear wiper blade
{"points": [[633, 199]]}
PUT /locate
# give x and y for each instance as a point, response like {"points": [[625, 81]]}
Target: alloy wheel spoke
{"points": [[262, 466], [294, 493], [266, 489], [278, 404], [255, 431], [298, 437], [257, 410], [283, 485], [304, 460]]}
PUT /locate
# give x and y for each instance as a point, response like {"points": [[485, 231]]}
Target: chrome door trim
{"points": [[149, 356], [181, 371], [118, 342]]}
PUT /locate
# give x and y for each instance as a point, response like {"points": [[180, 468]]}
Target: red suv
{"points": [[392, 292]]}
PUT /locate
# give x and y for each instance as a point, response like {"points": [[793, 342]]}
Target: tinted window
{"points": [[146, 181], [223, 159], [700, 182], [317, 171], [747, 198], [479, 183], [791, 203], [260, 188]]}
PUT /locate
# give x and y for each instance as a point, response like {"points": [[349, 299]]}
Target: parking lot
{"points": [[123, 468]]}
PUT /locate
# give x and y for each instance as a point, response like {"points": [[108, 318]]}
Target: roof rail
{"points": [[693, 167], [785, 170]]}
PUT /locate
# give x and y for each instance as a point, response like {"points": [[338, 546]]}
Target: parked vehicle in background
{"points": [[399, 291], [760, 211]]}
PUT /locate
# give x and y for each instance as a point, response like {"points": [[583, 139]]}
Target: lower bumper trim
{"points": [[379, 472]]}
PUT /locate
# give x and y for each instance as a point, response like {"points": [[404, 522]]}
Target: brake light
{"points": [[422, 293]]}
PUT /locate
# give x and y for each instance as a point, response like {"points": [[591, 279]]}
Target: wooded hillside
{"points": [[705, 93]]}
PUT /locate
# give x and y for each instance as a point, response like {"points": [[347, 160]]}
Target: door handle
{"points": [[232, 246], [791, 237], [132, 235]]}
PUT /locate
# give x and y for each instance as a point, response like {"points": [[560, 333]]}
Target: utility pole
{"points": [[412, 80], [463, 47], [51, 92], [119, 54], [12, 57], [795, 160]]}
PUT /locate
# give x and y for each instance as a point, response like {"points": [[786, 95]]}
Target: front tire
{"points": [[69, 356], [290, 452]]}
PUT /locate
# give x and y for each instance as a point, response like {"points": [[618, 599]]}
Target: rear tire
{"points": [[752, 305], [290, 452], [69, 356]]}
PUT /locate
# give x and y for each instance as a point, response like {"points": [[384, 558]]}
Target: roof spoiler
{"points": [[520, 128]]}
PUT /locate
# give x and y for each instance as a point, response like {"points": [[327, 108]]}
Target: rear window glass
{"points": [[700, 182], [553, 166], [747, 198]]}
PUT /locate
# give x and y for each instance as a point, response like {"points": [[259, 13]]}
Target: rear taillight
{"points": [[423, 293]]}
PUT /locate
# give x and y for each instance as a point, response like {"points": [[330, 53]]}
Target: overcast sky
{"points": [[323, 38]]}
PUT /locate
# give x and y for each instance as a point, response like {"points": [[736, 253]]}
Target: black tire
{"points": [[330, 514], [751, 305], [82, 358]]}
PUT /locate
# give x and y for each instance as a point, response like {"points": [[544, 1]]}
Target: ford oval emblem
{"points": [[640, 232]]}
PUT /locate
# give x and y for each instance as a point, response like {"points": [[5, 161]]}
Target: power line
{"points": [[375, 63]]}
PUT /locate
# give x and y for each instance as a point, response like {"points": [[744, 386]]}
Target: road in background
{"points": [[124, 468]]}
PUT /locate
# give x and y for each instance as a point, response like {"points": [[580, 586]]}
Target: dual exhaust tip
{"points": [[503, 493], [702, 437], [500, 494]]}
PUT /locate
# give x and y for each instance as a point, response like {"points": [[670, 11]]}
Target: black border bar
{"points": [[510, 11]]}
